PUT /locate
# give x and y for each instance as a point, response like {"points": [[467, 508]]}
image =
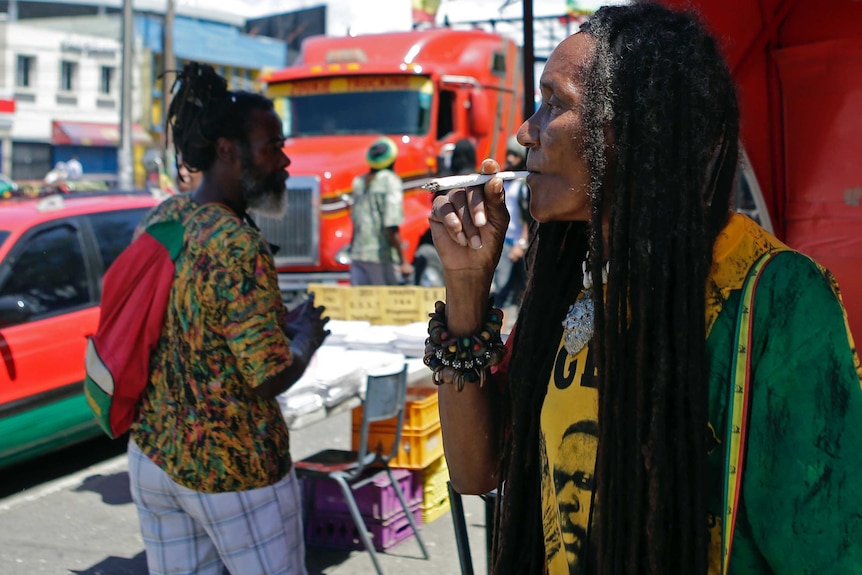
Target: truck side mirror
{"points": [[480, 113]]}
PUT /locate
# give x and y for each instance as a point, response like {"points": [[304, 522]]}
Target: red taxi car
{"points": [[53, 253]]}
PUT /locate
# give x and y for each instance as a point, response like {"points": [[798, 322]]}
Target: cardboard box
{"points": [[334, 297]]}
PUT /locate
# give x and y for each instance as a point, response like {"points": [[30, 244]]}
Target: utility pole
{"points": [[529, 59], [169, 66], [125, 159]]}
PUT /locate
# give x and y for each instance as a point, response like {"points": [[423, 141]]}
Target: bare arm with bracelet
{"points": [[468, 227]]}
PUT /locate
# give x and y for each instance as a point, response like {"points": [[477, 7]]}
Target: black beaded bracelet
{"points": [[465, 359]]}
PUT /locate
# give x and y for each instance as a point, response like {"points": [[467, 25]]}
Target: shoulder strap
{"points": [[171, 233], [737, 406]]}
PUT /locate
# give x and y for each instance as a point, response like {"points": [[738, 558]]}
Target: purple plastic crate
{"points": [[338, 530], [376, 500]]}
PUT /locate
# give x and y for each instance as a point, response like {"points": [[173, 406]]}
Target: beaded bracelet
{"points": [[465, 359]]}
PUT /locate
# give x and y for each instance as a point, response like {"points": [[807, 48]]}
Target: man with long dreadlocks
{"points": [[657, 412], [209, 461]]}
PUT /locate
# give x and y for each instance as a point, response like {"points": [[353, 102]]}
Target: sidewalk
{"points": [[86, 524]]}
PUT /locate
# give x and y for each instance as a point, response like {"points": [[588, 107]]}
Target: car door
{"points": [[47, 274]]}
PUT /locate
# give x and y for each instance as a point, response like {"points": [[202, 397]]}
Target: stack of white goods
{"points": [[301, 402], [340, 329], [373, 338], [335, 374], [339, 374], [410, 338]]}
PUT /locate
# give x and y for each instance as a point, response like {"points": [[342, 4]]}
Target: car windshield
{"points": [[366, 105], [3, 235]]}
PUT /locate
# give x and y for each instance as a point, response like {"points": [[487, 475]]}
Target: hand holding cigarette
{"points": [[465, 181]]}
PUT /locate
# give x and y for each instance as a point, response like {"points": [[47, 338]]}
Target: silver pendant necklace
{"points": [[578, 325]]}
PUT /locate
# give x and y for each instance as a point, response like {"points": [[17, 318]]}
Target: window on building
{"points": [[68, 76], [26, 69], [106, 82]]}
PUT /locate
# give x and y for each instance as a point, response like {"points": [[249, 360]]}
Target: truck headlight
{"points": [[342, 256]]}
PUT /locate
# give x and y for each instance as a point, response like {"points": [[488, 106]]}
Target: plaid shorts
{"points": [[254, 532]]}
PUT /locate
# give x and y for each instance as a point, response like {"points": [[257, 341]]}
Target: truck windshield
{"points": [[365, 105]]}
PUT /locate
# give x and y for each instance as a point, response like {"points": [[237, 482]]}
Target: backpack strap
{"points": [[738, 405]]}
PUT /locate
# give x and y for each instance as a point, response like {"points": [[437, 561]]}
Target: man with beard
{"points": [[209, 462]]}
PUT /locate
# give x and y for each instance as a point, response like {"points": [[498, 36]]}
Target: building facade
{"points": [[66, 92], [60, 92]]}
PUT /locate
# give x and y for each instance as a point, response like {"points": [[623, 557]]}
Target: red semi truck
{"points": [[424, 89], [798, 68]]}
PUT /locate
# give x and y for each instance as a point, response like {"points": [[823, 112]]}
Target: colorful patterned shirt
{"points": [[375, 208], [800, 511], [200, 418]]}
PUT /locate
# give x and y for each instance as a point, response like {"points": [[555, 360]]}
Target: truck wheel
{"points": [[428, 269]]}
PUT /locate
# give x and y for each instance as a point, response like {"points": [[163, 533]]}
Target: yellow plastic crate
{"points": [[418, 449], [434, 513], [435, 491], [420, 412]]}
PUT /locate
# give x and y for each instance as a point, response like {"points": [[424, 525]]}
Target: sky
{"points": [[488, 8]]}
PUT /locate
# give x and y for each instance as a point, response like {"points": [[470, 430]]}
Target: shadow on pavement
{"points": [[114, 489], [137, 565], [317, 559]]}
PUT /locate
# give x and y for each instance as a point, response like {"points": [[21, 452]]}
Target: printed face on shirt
{"points": [[554, 136], [263, 165], [574, 483]]}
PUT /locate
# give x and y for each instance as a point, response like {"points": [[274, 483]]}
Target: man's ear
{"points": [[227, 150]]}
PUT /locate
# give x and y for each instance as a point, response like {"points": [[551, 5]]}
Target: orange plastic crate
{"points": [[420, 413], [418, 448]]}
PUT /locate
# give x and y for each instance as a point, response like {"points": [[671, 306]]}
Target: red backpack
{"points": [[135, 293]]}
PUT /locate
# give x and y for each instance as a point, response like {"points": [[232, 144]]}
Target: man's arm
{"points": [[256, 324], [305, 326], [393, 236], [301, 349]]}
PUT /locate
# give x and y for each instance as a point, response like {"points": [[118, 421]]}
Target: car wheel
{"points": [[428, 267]]}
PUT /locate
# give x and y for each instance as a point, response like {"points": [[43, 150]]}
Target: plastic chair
{"points": [[385, 398]]}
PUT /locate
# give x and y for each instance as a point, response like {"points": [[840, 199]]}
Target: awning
{"points": [[93, 134]]}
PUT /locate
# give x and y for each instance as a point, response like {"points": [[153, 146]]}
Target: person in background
{"points": [[187, 180], [376, 249], [74, 169], [210, 470], [463, 159], [510, 273], [629, 320], [57, 174]]}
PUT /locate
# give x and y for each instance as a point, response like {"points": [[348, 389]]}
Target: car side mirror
{"points": [[15, 310], [480, 113]]}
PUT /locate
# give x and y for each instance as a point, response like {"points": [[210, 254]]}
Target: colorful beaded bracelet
{"points": [[465, 359]]}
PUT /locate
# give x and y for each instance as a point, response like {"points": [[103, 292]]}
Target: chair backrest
{"points": [[385, 398]]}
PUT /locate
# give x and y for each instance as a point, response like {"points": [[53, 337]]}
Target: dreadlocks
{"points": [[660, 88], [204, 110]]}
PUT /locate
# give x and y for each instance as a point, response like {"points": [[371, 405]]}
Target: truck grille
{"points": [[296, 233]]}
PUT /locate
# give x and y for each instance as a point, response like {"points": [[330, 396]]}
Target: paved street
{"points": [[86, 524]]}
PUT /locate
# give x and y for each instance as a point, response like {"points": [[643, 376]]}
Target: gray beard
{"points": [[260, 199]]}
